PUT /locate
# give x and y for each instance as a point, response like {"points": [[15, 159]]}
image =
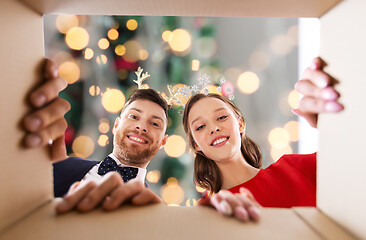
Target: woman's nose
{"points": [[216, 130]]}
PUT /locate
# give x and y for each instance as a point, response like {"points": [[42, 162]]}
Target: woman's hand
{"points": [[242, 205], [319, 94]]}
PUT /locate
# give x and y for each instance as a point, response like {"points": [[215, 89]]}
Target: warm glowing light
{"points": [[182, 99], [102, 59], [195, 65], [191, 202], [153, 176], [88, 54], [122, 74], [280, 45], [258, 61], [77, 38], [120, 50], [103, 43], [83, 146], [278, 138], [131, 24], [61, 57], [69, 71], [211, 89], [144, 54], [132, 51], [292, 127], [293, 99], [103, 140], [293, 35], [166, 35], [200, 189], [113, 34], [248, 82], [172, 194], [94, 90], [276, 153], [206, 47], [65, 22], [103, 127], [175, 146], [113, 100], [180, 40]]}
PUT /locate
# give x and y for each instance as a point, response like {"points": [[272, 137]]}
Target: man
{"points": [[111, 191]]}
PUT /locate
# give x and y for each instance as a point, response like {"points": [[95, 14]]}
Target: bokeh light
{"points": [[195, 65], [200, 189], [211, 89], [180, 41], [83, 146], [112, 34], [120, 50], [293, 35], [132, 53], [122, 74], [65, 22], [172, 193], [248, 82], [101, 59], [258, 61], [77, 38], [131, 24], [103, 127], [276, 153], [94, 90], [103, 43], [278, 138], [293, 99], [113, 100], [280, 45], [175, 146], [166, 35], [191, 202], [103, 140], [292, 127], [88, 54], [182, 99], [153, 176], [69, 71], [144, 54]]}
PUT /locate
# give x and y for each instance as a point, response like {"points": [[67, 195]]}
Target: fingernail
{"points": [[333, 107], [32, 140], [225, 208], [85, 202], [328, 94], [34, 123], [322, 83], [254, 213], [313, 66], [40, 100], [62, 206]]}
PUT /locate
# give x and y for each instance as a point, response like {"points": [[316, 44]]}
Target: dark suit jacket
{"points": [[68, 171]]}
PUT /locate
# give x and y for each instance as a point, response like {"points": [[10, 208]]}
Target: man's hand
{"points": [[241, 205], [317, 87], [110, 193], [46, 124]]}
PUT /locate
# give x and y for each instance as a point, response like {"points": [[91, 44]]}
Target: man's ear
{"points": [[241, 125], [163, 142], [116, 122]]}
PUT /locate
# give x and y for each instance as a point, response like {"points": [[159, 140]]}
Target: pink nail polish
{"points": [[333, 107]]}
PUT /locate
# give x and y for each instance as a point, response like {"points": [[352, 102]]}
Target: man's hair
{"points": [[148, 94]]}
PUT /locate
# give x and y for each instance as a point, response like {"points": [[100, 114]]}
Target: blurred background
{"points": [[256, 59]]}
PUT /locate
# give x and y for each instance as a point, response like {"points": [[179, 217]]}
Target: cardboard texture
{"points": [[26, 175], [234, 8], [342, 156], [159, 222]]}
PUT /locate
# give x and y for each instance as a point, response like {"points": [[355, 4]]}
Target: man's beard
{"points": [[132, 153]]}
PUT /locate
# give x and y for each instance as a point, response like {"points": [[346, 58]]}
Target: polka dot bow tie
{"points": [[108, 164]]}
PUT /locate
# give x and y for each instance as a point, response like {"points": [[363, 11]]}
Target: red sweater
{"points": [[289, 182]]}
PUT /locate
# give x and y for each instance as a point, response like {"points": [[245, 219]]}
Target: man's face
{"points": [[139, 132]]}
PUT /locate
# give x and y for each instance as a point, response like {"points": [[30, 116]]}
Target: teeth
{"points": [[137, 139], [220, 140]]}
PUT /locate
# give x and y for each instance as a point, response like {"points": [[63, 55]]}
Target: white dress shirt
{"points": [[93, 173]]}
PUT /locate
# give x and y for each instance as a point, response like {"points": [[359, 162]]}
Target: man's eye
{"points": [[155, 124], [200, 127], [222, 117]]}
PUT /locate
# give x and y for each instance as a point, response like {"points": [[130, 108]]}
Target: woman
{"points": [[227, 159]]}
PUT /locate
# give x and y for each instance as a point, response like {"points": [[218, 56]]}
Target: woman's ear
{"points": [[197, 148], [241, 125]]}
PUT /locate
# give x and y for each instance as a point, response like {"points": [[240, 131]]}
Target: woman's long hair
{"points": [[206, 173]]}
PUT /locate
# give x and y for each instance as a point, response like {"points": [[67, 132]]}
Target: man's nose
{"points": [[141, 127]]}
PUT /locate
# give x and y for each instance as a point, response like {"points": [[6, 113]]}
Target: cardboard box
{"points": [[26, 203]]}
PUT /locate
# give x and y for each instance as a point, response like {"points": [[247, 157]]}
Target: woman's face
{"points": [[215, 129]]}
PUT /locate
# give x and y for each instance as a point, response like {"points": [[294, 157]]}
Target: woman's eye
{"points": [[133, 117], [200, 127], [222, 117]]}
